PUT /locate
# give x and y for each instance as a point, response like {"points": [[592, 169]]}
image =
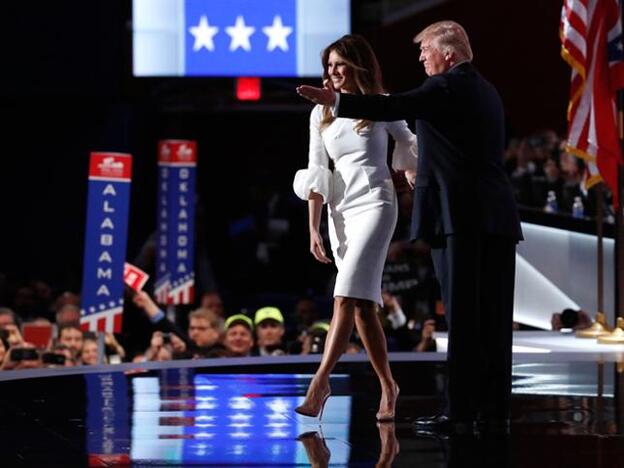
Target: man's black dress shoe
{"points": [[442, 424]]}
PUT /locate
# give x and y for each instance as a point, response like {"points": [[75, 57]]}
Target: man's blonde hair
{"points": [[447, 36], [209, 315]]}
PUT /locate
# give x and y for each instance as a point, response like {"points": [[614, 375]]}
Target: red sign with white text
{"points": [[134, 277], [110, 166], [177, 152]]}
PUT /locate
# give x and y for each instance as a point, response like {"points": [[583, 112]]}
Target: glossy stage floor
{"points": [[567, 412]]}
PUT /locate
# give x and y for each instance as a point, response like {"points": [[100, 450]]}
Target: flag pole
{"points": [[600, 253], [619, 254], [599, 327], [619, 219], [619, 216], [619, 266]]}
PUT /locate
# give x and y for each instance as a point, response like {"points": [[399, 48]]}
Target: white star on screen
{"points": [[204, 34], [277, 34], [240, 34]]}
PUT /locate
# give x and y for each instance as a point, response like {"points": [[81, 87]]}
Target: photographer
{"points": [[4, 346], [570, 319], [314, 340], [394, 322], [59, 356], [427, 342], [8, 317], [71, 336], [165, 347], [24, 356], [204, 330]]}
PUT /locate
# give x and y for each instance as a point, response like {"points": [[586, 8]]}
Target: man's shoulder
{"points": [[434, 85]]}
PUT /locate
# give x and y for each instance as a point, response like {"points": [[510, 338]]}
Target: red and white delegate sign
{"points": [[182, 152], [134, 277], [110, 166]]}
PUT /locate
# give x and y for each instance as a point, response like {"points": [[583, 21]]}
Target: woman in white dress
{"points": [[362, 213]]}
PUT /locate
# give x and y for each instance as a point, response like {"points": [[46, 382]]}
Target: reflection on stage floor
{"points": [[565, 414]]}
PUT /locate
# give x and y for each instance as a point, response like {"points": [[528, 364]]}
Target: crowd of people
{"points": [[546, 176], [208, 331]]}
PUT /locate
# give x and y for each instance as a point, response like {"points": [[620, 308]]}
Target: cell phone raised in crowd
{"points": [[166, 338], [24, 354], [38, 335], [114, 359], [53, 358]]}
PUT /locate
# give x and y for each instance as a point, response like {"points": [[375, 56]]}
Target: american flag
{"points": [[591, 43]]}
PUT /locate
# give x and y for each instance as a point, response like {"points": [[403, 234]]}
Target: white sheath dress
{"points": [[361, 199]]}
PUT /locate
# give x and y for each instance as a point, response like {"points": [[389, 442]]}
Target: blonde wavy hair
{"points": [[447, 37], [362, 62]]}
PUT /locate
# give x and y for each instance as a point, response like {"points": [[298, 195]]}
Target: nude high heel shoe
{"points": [[389, 416], [314, 407]]}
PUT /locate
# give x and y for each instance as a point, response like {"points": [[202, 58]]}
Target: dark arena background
{"points": [[70, 86]]}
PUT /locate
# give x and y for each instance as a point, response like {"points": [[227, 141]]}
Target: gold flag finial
{"points": [[597, 329], [616, 336]]}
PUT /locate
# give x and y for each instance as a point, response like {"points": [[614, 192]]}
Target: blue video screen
{"points": [[181, 417], [230, 38]]}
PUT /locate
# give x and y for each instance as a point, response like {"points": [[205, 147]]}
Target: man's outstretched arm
{"points": [[423, 102]]}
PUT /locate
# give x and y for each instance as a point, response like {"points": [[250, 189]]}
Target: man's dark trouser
{"points": [[476, 275]]}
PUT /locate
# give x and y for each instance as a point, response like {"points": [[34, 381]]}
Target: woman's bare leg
{"points": [[372, 335], [340, 330]]}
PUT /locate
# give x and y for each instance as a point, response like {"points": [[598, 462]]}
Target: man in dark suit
{"points": [[464, 208]]}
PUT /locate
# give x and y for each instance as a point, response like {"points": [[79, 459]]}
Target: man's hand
{"points": [[323, 96], [177, 345], [144, 301], [390, 303], [157, 341], [428, 330]]}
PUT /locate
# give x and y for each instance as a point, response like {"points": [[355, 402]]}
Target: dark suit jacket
{"points": [[461, 184]]}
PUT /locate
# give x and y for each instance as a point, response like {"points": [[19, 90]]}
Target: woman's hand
{"points": [[410, 176], [316, 247]]}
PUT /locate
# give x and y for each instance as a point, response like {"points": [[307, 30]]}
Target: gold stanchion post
{"points": [[616, 336], [597, 329]]}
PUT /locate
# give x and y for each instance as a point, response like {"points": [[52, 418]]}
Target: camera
{"points": [[166, 338], [569, 318], [24, 354], [53, 359], [318, 344]]}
